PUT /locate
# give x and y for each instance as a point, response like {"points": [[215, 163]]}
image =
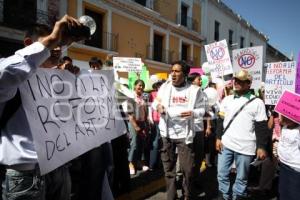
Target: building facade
{"points": [[158, 31], [220, 22], [16, 15]]}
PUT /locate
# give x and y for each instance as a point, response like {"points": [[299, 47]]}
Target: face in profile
{"points": [[197, 81]]}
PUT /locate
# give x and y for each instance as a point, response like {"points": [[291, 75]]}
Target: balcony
{"points": [[105, 40], [14, 17], [188, 22], [164, 56]]}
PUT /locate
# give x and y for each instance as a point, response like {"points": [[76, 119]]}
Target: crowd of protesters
{"points": [[175, 125]]}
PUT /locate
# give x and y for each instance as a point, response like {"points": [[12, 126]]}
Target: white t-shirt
{"points": [[240, 136], [289, 147], [178, 104]]}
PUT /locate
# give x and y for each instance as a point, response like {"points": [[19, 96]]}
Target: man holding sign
{"points": [[17, 150]]}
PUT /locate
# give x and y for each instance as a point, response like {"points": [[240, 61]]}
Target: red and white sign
{"points": [[218, 56], [250, 59]]}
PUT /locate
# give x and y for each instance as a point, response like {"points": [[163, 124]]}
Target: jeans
{"points": [[20, 185], [289, 183], [225, 160], [186, 158], [58, 184], [154, 140], [137, 144]]}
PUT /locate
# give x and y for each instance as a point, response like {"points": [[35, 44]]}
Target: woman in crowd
{"points": [[137, 113], [289, 156]]}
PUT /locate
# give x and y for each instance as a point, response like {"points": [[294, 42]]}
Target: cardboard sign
{"points": [[250, 59], [70, 115], [298, 76], [280, 76], [289, 106], [127, 64], [218, 56]]}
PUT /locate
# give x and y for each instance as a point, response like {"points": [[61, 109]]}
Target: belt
{"points": [[23, 167]]}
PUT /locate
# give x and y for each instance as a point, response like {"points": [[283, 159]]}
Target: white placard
{"points": [[250, 59], [218, 56], [127, 64], [70, 115], [280, 76]]}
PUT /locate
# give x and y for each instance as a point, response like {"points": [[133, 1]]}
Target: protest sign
{"points": [[197, 70], [250, 59], [298, 76], [280, 76], [127, 64], [69, 115], [218, 56], [289, 106]]}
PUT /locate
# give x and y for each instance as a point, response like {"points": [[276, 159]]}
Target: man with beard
{"points": [[17, 151]]}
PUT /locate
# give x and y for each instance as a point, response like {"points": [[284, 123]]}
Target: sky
{"points": [[278, 19]]}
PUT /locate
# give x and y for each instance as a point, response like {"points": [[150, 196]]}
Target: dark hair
{"points": [[67, 58], [139, 81], [191, 77], [156, 85], [184, 66], [95, 60], [37, 30]]}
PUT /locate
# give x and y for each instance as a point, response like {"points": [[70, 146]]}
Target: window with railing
{"points": [[166, 56], [101, 39], [158, 47], [19, 14], [96, 39], [142, 2], [184, 52], [230, 37], [217, 31], [242, 40]]}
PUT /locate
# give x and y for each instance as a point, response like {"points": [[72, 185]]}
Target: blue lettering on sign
{"points": [[246, 61], [217, 53]]}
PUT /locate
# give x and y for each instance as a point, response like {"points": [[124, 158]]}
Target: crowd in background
{"points": [[176, 127]]}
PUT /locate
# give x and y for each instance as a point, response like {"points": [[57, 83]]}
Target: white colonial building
{"points": [[219, 22]]}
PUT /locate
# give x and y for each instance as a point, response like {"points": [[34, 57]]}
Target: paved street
{"points": [[210, 188]]}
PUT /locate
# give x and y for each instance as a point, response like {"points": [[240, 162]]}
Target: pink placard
{"points": [[197, 70], [289, 106], [298, 76]]}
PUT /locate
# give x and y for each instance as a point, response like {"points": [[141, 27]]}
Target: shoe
{"points": [[145, 168], [202, 194], [131, 169], [254, 189], [208, 165]]}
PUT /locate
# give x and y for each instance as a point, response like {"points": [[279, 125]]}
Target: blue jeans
{"points": [[154, 140], [19, 185], [225, 160], [137, 144]]}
